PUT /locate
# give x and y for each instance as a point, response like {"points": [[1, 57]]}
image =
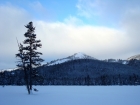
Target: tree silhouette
{"points": [[29, 57]]}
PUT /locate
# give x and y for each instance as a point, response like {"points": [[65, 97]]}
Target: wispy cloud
{"points": [[72, 20], [109, 12], [90, 8], [37, 7]]}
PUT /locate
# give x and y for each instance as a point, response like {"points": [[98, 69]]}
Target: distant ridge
{"points": [[2, 70], [134, 57]]}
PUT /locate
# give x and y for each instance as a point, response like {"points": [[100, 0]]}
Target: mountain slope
{"points": [[2, 70], [78, 72], [89, 71]]}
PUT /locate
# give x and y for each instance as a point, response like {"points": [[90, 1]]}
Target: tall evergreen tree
{"points": [[29, 57]]}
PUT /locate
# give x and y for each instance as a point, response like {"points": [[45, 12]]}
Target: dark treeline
{"points": [[79, 72]]}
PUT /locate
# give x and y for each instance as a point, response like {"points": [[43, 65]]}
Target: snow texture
{"points": [[134, 57], [8, 69], [71, 95]]}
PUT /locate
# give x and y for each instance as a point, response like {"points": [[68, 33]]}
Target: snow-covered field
{"points": [[71, 95]]}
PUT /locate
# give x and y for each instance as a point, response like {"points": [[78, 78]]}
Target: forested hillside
{"points": [[79, 72]]}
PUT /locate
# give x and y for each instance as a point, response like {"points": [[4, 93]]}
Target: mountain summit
{"points": [[69, 58], [80, 56]]}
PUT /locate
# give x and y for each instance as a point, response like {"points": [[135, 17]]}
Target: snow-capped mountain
{"points": [[80, 56], [134, 57], [69, 58]]}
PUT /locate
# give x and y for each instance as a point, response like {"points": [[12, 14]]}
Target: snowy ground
{"points": [[71, 95]]}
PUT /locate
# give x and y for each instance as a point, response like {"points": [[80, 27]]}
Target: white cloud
{"points": [[12, 21], [130, 24], [61, 39]]}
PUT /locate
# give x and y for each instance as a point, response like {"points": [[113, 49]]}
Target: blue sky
{"points": [[58, 10], [99, 28], [53, 10]]}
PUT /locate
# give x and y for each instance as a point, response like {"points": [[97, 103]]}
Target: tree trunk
{"points": [[30, 66], [26, 80]]}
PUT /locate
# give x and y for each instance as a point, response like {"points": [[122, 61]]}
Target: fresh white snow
{"points": [[73, 57], [81, 55], [58, 61], [134, 57], [71, 95], [2, 70]]}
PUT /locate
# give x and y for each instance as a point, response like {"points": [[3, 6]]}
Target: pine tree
{"points": [[29, 57]]}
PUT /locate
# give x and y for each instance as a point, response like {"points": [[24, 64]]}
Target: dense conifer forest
{"points": [[79, 72]]}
